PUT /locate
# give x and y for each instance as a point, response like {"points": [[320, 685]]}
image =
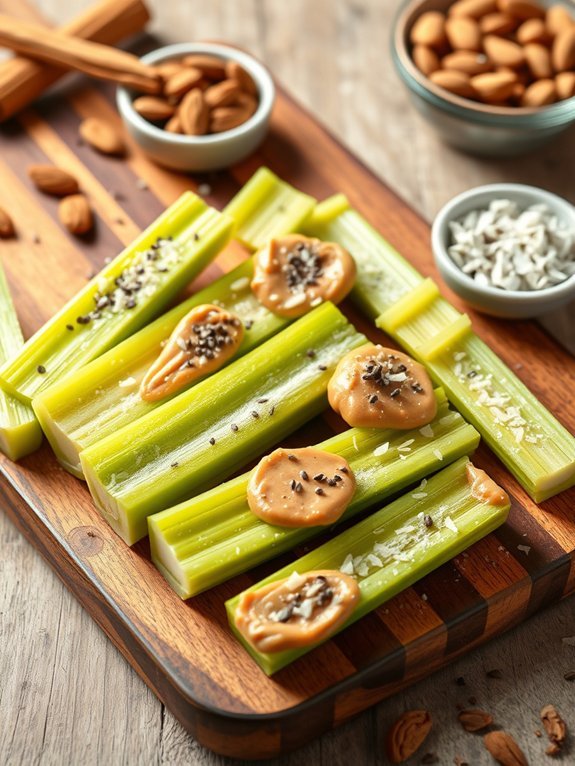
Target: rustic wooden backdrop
{"points": [[66, 695]]}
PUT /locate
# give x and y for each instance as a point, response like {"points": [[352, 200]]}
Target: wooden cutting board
{"points": [[184, 650]]}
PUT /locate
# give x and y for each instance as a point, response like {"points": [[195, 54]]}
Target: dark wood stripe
{"points": [[369, 643]]}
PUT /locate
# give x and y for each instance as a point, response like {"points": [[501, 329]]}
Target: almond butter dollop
{"points": [[296, 273], [296, 612], [200, 344], [377, 387], [483, 487]]}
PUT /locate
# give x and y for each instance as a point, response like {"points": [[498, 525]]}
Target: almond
{"points": [[75, 214], [565, 85], [174, 125], [563, 51], [504, 749], [458, 83], [429, 29], [494, 87], [7, 229], [497, 24], [466, 61], [555, 729], [168, 69], [249, 103], [463, 34], [522, 9], [153, 108], [227, 117], [503, 52], [53, 180], [474, 719], [538, 60], [532, 31], [235, 71], [211, 67], [222, 93], [102, 136], [407, 735], [194, 113], [426, 59], [475, 9], [557, 19], [182, 81]]}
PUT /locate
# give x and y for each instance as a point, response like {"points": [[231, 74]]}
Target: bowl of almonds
{"points": [[214, 108], [494, 77]]}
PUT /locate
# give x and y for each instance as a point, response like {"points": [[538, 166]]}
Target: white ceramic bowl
{"points": [[201, 153], [494, 300]]}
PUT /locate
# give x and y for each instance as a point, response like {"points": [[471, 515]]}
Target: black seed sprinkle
{"points": [[319, 477], [427, 520], [175, 464], [373, 399], [292, 484], [83, 319], [261, 401], [337, 478], [70, 327], [310, 353], [319, 491], [331, 482], [272, 410], [249, 324], [304, 475], [255, 414], [234, 427], [343, 469], [472, 373], [417, 388], [322, 367], [395, 392], [41, 369], [298, 487], [212, 441], [196, 236]]}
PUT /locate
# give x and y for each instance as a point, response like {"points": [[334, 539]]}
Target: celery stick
{"points": [[215, 536], [102, 397], [20, 432], [152, 271], [393, 548], [267, 207], [166, 456]]}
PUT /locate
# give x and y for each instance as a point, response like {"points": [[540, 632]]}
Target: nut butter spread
{"points": [[300, 487], [201, 343], [296, 273], [483, 487], [377, 387], [297, 612]]}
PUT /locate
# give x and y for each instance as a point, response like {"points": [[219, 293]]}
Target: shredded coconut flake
{"points": [[381, 450]]}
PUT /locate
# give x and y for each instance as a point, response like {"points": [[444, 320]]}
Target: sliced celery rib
{"points": [[166, 456], [215, 536], [393, 548], [20, 432], [267, 207], [103, 396], [171, 252]]}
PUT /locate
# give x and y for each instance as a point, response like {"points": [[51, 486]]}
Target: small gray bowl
{"points": [[480, 129], [201, 153], [511, 304]]}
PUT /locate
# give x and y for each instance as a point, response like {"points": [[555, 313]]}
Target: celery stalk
{"points": [[63, 344], [166, 456], [20, 432], [393, 548], [102, 397], [267, 207], [213, 537]]}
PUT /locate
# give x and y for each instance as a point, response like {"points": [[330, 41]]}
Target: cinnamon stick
{"points": [[22, 80]]}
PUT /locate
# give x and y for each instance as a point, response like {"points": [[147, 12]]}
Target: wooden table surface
{"points": [[66, 694]]}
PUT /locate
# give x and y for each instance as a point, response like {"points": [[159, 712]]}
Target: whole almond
{"points": [[475, 9], [426, 59], [211, 67], [497, 24], [194, 113], [565, 85], [504, 749], [503, 52], [538, 60], [563, 51], [557, 19], [222, 93], [168, 69], [518, 91], [102, 136], [7, 228], [522, 9], [466, 61], [407, 735], [494, 87], [182, 81], [174, 125], [455, 82], [248, 102], [53, 180], [235, 71], [532, 31], [75, 214], [429, 29], [227, 117], [153, 108], [474, 719], [463, 34]]}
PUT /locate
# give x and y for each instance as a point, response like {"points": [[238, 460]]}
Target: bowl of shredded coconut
{"points": [[508, 249]]}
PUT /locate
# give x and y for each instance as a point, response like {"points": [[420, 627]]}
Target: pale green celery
{"points": [[103, 396], [383, 275], [199, 233], [213, 537], [392, 549], [267, 207], [166, 456], [20, 432]]}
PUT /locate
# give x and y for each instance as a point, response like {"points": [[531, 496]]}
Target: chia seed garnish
{"points": [[255, 414], [298, 487], [261, 401], [319, 477], [304, 475], [293, 458], [331, 482], [175, 464], [84, 319], [248, 324], [311, 353], [272, 410], [303, 267], [322, 367], [70, 327], [41, 369], [234, 427], [319, 491], [337, 478], [395, 392], [292, 484], [373, 398], [471, 373], [427, 520], [417, 388], [212, 441], [343, 469]]}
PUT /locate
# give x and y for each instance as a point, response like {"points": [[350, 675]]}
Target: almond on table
{"points": [[7, 228], [53, 180], [75, 214], [102, 136]]}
